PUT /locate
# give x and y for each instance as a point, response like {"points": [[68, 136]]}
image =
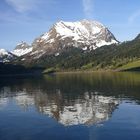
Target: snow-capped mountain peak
{"points": [[85, 34], [5, 56], [84, 28], [22, 49]]}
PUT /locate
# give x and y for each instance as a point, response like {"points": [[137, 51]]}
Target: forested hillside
{"points": [[106, 57]]}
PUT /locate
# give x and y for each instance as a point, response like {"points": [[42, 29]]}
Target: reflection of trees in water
{"points": [[71, 85], [87, 109]]}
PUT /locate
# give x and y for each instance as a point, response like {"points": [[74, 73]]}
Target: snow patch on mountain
{"points": [[77, 29], [6, 56], [22, 49], [21, 52]]}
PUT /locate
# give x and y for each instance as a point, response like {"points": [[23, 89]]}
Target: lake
{"points": [[71, 106]]}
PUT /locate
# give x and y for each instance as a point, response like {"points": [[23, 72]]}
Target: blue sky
{"points": [[24, 20]]}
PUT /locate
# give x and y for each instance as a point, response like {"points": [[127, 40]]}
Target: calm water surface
{"points": [[86, 106]]}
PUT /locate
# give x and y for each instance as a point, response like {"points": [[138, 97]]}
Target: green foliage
{"points": [[130, 65]]}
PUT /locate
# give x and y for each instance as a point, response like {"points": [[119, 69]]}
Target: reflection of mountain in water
{"points": [[3, 102], [24, 100], [90, 109]]}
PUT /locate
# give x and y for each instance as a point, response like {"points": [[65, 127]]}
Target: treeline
{"points": [[9, 69]]}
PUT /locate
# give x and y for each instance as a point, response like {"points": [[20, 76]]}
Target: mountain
{"points": [[81, 45], [85, 34], [22, 49], [6, 56], [137, 37]]}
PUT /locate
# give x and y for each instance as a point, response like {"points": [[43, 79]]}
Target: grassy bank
{"points": [[131, 66]]}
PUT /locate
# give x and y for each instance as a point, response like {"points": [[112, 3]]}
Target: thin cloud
{"points": [[22, 5], [88, 8], [134, 17], [27, 11]]}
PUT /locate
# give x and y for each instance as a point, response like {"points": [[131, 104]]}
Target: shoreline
{"points": [[90, 71], [64, 72], [85, 71]]}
